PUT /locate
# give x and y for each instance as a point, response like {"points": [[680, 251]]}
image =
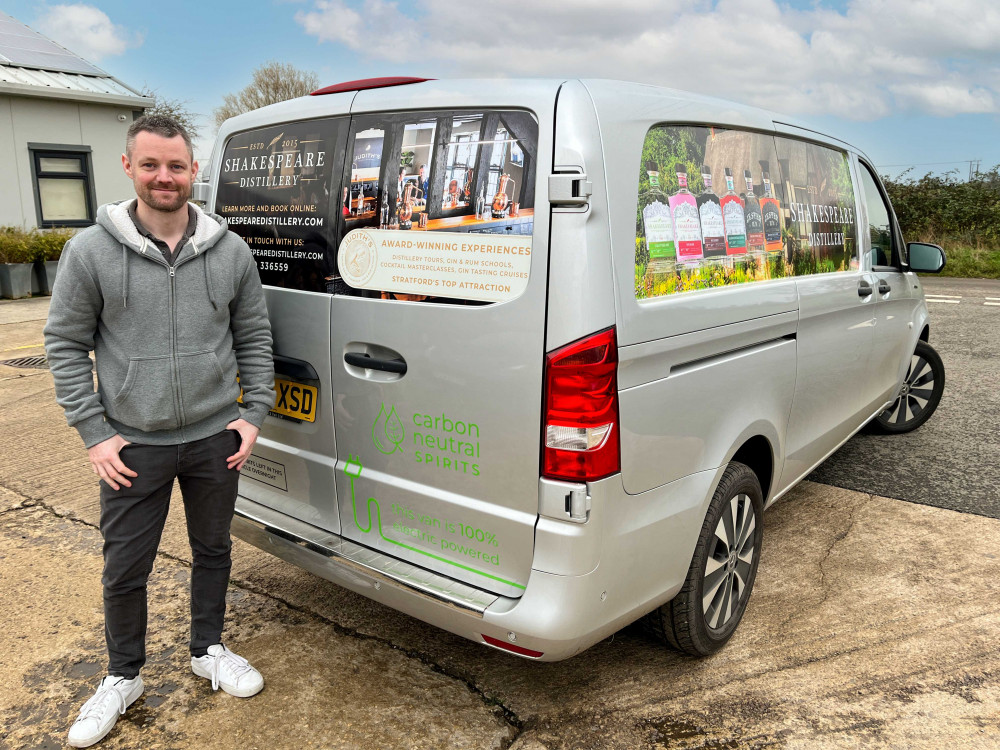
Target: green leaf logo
{"points": [[387, 431]]}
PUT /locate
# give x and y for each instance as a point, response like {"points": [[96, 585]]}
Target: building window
{"points": [[64, 185]]}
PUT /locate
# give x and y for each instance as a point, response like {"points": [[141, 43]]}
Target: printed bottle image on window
{"points": [[794, 220], [274, 191], [452, 178]]}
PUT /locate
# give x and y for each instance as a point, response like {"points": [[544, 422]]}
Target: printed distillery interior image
{"points": [[294, 192], [719, 207], [466, 172]]}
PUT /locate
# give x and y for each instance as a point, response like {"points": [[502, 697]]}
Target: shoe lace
{"points": [[236, 666], [94, 708]]}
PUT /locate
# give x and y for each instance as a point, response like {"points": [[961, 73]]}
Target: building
{"points": [[62, 131]]}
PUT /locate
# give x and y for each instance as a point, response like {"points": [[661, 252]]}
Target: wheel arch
{"points": [[757, 453]]}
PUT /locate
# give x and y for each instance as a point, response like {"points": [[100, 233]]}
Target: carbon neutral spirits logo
{"points": [[446, 443], [439, 441], [387, 431]]}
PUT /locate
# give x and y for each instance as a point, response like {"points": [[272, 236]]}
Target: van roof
{"points": [[615, 101]]}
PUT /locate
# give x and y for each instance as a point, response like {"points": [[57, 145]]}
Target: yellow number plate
{"points": [[295, 400]]}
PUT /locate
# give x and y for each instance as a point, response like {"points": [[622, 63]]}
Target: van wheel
{"points": [[919, 395], [706, 611]]}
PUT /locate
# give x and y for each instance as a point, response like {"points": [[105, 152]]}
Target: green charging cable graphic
{"points": [[353, 469]]}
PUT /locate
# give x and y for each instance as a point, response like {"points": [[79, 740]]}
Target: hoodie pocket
{"points": [[203, 390], [146, 399]]}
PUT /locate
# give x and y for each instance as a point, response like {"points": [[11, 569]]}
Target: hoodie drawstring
{"points": [[208, 276], [124, 275]]}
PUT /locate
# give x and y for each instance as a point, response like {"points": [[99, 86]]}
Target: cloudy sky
{"points": [[910, 82]]}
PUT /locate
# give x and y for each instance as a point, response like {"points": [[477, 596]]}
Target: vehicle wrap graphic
{"points": [[387, 431], [470, 539], [787, 209]]}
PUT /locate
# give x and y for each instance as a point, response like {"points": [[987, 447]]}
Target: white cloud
{"points": [[875, 58], [87, 31]]}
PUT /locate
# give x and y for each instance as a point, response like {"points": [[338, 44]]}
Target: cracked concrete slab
{"points": [[323, 689]]}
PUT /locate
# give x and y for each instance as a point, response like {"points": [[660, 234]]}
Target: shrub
{"points": [[48, 244], [14, 247], [20, 246], [939, 208]]}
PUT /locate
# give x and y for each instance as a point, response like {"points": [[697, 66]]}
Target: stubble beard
{"points": [[160, 202]]}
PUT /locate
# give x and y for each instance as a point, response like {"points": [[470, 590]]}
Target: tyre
{"points": [[709, 606], [919, 395]]}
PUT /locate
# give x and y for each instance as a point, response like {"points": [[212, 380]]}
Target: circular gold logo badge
{"points": [[357, 258]]}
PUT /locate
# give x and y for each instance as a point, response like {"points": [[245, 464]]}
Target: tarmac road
{"points": [[873, 624], [953, 460]]}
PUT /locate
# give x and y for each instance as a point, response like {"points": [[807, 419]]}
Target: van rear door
{"points": [[274, 186], [438, 335]]}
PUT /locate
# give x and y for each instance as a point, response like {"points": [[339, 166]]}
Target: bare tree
{"points": [[272, 82], [174, 108]]}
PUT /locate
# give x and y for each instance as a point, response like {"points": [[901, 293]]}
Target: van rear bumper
{"points": [[558, 615]]}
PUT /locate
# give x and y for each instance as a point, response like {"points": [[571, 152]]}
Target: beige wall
{"points": [[25, 120], [11, 208]]}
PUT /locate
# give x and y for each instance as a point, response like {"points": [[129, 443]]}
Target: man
{"points": [[171, 305], [422, 182]]}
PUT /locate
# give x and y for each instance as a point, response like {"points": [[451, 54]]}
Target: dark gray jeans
{"points": [[132, 520]]}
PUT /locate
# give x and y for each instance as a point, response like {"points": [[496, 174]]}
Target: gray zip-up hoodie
{"points": [[168, 341]]}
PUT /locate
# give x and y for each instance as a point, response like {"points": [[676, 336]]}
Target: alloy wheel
{"points": [[915, 394], [728, 568]]}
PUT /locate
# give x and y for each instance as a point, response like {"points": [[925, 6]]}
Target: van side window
{"points": [[821, 228], [437, 207], [879, 223], [720, 207], [275, 192]]}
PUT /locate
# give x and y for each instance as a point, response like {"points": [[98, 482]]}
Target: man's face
{"points": [[161, 170], [421, 170]]}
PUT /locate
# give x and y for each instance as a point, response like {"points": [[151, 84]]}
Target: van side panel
{"points": [[685, 400], [835, 342]]}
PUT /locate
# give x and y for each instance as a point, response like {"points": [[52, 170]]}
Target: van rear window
{"points": [[428, 206], [438, 206], [719, 207], [275, 192]]}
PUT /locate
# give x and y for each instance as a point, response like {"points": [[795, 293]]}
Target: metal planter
{"points": [[44, 276], [15, 280]]}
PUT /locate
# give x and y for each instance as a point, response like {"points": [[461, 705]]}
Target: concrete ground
{"points": [[874, 624]]}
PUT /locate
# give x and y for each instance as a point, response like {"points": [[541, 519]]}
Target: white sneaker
{"points": [[101, 712], [227, 670]]}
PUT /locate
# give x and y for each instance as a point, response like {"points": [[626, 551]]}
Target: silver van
{"points": [[546, 349]]}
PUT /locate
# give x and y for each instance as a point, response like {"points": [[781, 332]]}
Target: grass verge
{"points": [[968, 262]]}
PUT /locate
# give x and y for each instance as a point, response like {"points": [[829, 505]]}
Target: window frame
{"points": [[899, 258], [39, 151]]}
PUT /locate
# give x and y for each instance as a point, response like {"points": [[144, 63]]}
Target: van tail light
{"points": [[581, 440]]}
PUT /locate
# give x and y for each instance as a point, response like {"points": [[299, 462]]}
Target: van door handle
{"points": [[864, 289], [366, 361], [883, 287]]}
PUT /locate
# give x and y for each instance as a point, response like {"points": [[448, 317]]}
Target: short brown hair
{"points": [[161, 125]]}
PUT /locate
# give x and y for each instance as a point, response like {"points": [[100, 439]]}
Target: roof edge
{"points": [[92, 97]]}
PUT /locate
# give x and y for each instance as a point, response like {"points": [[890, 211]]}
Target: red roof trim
{"points": [[367, 83]]}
